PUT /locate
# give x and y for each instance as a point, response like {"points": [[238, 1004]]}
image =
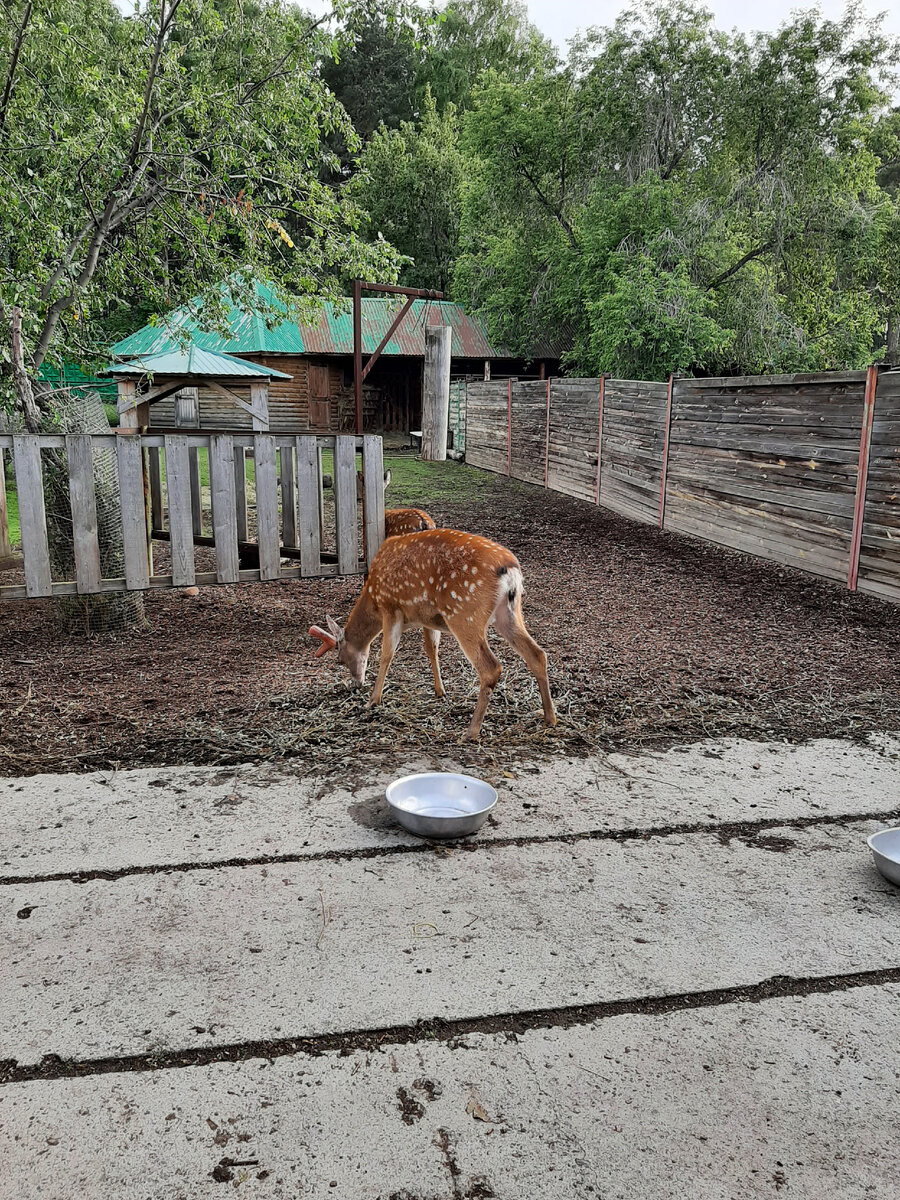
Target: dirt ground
{"points": [[652, 638]]}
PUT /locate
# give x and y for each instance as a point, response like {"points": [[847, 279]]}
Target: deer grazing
{"points": [[397, 520], [439, 580]]}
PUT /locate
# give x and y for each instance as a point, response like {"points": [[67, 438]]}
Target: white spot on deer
{"points": [[474, 570], [431, 579], [453, 595]]}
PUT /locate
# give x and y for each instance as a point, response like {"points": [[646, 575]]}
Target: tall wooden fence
{"points": [[800, 469], [160, 499]]}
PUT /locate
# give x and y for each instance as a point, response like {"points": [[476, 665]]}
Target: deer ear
{"points": [[333, 628], [387, 479], [328, 642]]}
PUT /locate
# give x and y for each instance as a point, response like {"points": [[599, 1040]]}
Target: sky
{"points": [[561, 19]]}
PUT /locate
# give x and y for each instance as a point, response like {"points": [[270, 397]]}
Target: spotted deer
{"points": [[439, 580], [397, 520]]}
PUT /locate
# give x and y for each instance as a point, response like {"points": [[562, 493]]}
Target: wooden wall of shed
{"points": [[763, 464], [879, 558]]}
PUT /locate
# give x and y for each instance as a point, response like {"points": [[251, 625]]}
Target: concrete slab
{"points": [[51, 824], [790, 1097], [167, 961]]}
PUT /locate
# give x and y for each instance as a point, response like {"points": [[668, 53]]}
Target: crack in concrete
{"points": [[511, 1024], [724, 830]]}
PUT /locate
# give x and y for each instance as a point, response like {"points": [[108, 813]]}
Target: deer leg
{"points": [[432, 642], [391, 633], [489, 671], [510, 625]]}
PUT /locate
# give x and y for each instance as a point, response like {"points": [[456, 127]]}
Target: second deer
{"points": [[397, 521]]}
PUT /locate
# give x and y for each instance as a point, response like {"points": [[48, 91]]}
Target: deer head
{"points": [[354, 659], [360, 483]]}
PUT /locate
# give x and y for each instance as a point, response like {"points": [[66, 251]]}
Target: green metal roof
{"points": [[195, 361], [69, 375], [329, 333]]}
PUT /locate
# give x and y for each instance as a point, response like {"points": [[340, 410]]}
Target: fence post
{"points": [[665, 454], [5, 545], [547, 439], [599, 437], [508, 426], [859, 507]]}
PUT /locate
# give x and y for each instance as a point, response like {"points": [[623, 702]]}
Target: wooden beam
{"points": [[5, 545], [862, 473], [599, 438], [357, 356], [376, 353], [661, 519]]}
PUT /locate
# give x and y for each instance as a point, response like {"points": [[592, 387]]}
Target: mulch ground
{"points": [[653, 639]]}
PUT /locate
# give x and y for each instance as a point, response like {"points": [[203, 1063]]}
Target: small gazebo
{"points": [[143, 381]]}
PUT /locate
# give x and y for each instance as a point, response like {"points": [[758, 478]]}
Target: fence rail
{"points": [[160, 499], [800, 469]]}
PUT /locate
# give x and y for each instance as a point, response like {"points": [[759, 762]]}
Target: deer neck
{"points": [[364, 623]]}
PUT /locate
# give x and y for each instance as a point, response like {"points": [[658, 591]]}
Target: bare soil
{"points": [[652, 638]]}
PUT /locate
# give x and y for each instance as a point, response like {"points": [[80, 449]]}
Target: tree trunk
{"points": [[113, 612], [892, 350]]}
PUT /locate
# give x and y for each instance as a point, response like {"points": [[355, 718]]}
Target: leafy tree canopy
{"points": [[173, 151], [685, 199]]}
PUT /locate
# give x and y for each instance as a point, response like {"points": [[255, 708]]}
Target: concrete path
{"points": [[673, 976]]}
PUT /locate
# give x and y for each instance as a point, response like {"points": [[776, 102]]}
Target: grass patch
{"points": [[418, 484]]}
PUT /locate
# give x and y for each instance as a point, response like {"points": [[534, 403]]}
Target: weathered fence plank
{"points": [[181, 528], [345, 503], [134, 518], [240, 490], [196, 501], [373, 495], [5, 543], [154, 473], [83, 506], [308, 479], [287, 479], [224, 506], [267, 506], [32, 514]]}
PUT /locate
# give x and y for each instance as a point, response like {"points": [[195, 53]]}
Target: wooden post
{"points": [[508, 426], [357, 356], [321, 488], [547, 438], [599, 437], [859, 507], [436, 393], [259, 401], [487, 370], [136, 416], [5, 545], [661, 520]]}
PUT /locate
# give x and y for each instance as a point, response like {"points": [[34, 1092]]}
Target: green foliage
{"points": [[683, 199], [409, 184], [152, 155]]}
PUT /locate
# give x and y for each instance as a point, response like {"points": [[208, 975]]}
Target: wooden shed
{"points": [[311, 365]]}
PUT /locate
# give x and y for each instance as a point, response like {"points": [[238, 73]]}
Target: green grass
{"points": [[12, 514], [419, 484]]}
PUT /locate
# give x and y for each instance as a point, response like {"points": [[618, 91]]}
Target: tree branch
{"points": [[13, 63], [741, 262], [551, 208]]}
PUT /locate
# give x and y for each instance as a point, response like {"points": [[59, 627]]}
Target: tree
{"points": [[685, 199], [177, 147], [409, 185]]}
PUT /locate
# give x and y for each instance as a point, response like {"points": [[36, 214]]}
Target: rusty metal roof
{"points": [[330, 333]]}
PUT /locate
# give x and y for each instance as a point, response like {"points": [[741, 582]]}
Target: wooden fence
{"points": [[800, 469], [160, 499]]}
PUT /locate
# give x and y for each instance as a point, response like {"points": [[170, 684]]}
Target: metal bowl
{"points": [[441, 805], [885, 847]]}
